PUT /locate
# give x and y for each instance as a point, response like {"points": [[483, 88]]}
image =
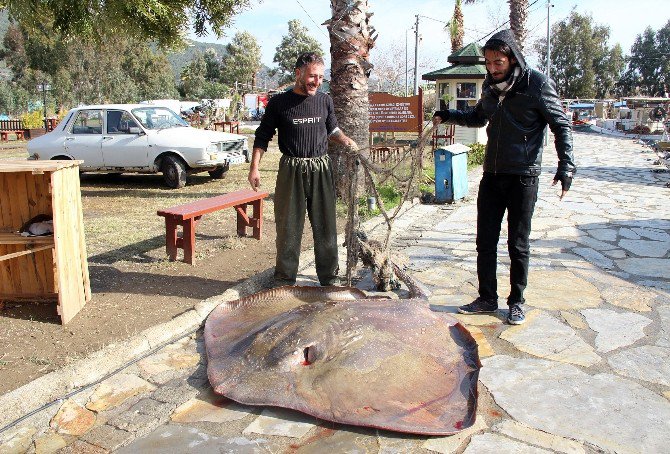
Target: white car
{"points": [[141, 138]]}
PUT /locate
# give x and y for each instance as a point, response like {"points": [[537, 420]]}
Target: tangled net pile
{"points": [[374, 254]]}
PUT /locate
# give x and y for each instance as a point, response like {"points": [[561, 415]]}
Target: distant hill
{"points": [[180, 59]]}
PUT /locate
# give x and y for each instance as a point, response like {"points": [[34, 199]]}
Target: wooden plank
{"points": [[20, 253], [11, 166], [41, 202], [15, 238], [21, 271], [205, 206], [6, 296], [83, 256], [71, 293]]}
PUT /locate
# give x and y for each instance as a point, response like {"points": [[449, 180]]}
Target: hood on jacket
{"points": [[507, 36]]}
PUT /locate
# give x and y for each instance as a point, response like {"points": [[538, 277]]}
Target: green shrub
{"points": [[476, 155], [32, 120], [390, 195]]}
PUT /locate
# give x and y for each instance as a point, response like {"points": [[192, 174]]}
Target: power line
{"points": [[317, 25], [502, 25]]}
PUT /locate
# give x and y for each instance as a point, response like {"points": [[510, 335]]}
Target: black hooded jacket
{"points": [[516, 125]]}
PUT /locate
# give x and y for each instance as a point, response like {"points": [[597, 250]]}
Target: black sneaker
{"points": [[515, 315], [479, 306]]}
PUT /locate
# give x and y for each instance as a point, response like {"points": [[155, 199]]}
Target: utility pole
{"points": [[406, 68], [416, 57], [549, 6], [548, 71]]}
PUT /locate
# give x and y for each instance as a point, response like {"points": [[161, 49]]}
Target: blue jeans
{"points": [[517, 194]]}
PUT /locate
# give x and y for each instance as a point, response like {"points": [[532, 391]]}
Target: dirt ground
{"points": [[133, 284]]}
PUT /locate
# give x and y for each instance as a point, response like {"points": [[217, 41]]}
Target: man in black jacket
{"points": [[517, 103]]}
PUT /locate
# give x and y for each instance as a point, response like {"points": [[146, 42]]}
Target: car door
{"points": [[120, 147], [84, 139]]}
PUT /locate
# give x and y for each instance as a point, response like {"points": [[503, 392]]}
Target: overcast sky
{"points": [[268, 19]]}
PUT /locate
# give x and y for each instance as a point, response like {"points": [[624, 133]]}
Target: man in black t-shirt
{"points": [[305, 121]]}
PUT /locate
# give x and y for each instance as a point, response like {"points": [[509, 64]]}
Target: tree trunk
{"points": [[518, 12], [456, 28], [350, 43]]}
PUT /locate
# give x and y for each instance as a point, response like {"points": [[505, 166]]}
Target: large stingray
{"points": [[337, 355]]}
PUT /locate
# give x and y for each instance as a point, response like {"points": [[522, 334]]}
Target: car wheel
{"points": [[219, 172], [174, 172]]}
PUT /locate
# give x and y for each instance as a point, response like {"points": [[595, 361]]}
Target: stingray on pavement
{"points": [[333, 353]]}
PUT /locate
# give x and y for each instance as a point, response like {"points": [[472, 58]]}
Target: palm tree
{"points": [[350, 43], [455, 27], [518, 13]]}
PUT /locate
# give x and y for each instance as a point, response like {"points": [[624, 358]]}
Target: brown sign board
{"points": [[395, 113]]}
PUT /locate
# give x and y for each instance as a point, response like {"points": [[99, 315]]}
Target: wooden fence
{"points": [[11, 125]]}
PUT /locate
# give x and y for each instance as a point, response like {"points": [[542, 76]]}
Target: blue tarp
{"points": [[581, 106]]}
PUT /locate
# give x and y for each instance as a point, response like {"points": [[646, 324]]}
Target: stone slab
{"points": [[49, 443], [72, 419], [536, 437], [176, 439], [211, 409], [645, 248], [649, 362], [615, 329], [611, 412], [664, 333], [574, 320], [483, 347], [560, 290], [281, 423], [17, 441], [645, 267], [108, 437], [338, 441], [546, 337], [500, 444], [116, 390], [450, 444]]}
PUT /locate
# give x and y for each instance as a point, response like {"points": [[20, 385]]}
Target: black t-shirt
{"points": [[303, 124]]}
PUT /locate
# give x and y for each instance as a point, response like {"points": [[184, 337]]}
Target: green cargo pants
{"points": [[305, 183]]}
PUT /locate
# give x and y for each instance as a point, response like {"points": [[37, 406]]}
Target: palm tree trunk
{"points": [[350, 43], [518, 13], [456, 28]]}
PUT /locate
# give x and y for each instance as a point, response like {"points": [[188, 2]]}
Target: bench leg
{"points": [[171, 238], [242, 219], [257, 218], [189, 241]]}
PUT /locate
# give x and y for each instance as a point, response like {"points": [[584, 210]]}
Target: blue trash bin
{"points": [[451, 173]]}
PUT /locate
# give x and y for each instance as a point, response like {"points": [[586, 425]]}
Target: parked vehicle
{"points": [[139, 138]]}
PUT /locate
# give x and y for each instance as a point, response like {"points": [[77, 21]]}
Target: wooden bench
{"points": [[188, 215], [232, 126], [4, 135]]}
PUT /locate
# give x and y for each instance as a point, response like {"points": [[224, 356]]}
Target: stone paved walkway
{"points": [[588, 372]]}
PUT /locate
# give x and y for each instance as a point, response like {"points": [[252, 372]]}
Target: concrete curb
{"points": [[75, 377]]}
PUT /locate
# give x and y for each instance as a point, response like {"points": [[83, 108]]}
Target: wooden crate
{"points": [[43, 268]]}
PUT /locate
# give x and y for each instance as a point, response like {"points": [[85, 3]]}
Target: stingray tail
{"points": [[415, 289]]}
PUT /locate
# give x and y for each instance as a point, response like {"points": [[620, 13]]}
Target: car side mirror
{"points": [[135, 130]]}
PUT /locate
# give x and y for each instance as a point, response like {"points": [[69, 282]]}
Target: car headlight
{"points": [[212, 150]]}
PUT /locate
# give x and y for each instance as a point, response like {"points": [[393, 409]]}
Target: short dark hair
{"points": [[307, 58], [497, 45]]}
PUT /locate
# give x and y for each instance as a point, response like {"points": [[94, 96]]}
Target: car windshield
{"points": [[158, 117]]}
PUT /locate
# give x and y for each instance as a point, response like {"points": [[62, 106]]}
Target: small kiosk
{"points": [[459, 86]]}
